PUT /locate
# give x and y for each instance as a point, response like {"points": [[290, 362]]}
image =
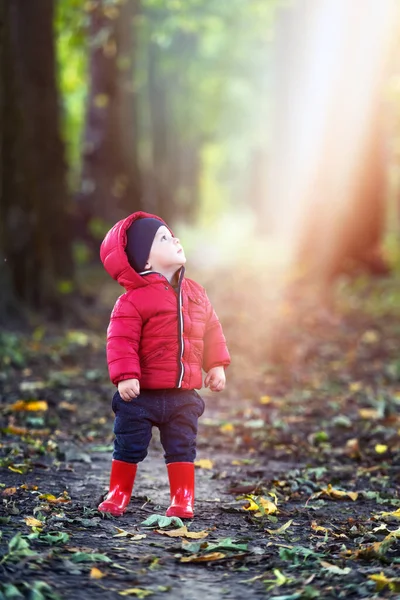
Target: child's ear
{"points": [[147, 266]]}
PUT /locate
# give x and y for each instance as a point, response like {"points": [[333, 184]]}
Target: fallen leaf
{"points": [[265, 399], [183, 532], [382, 581], [95, 573], [281, 529], [334, 494], [257, 502], [227, 428], [368, 413], [53, 500], [162, 521], [138, 592], [380, 448], [204, 463], [395, 514], [203, 558], [32, 522], [316, 527], [131, 535], [9, 491], [334, 568], [355, 386]]}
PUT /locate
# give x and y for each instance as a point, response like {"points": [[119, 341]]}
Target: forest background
{"points": [[266, 133]]}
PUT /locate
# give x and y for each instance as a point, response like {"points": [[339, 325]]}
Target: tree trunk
{"points": [[110, 186], [35, 246]]}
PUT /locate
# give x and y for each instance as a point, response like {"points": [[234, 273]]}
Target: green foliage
{"points": [[211, 66], [37, 590], [70, 25], [11, 350]]}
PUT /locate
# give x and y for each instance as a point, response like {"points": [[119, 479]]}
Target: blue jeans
{"points": [[174, 411]]}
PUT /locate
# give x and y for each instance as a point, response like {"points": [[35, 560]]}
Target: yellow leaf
{"points": [[227, 428], [95, 573], [53, 500], [21, 405], [128, 534], [353, 495], [101, 100], [25, 486], [395, 514], [15, 470], [37, 405], [265, 399], [335, 494], [255, 503], [183, 532], [368, 413], [32, 522], [204, 463], [316, 527], [393, 583], [204, 558], [355, 386], [281, 529], [380, 448]]}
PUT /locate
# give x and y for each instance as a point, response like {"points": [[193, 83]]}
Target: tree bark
{"points": [[110, 182], [35, 244]]}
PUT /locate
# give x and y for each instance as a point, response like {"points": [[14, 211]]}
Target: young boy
{"points": [[162, 331]]}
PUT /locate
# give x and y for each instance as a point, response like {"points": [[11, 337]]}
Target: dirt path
{"points": [[311, 447]]}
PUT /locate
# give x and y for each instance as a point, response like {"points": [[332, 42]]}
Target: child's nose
{"points": [[176, 240]]}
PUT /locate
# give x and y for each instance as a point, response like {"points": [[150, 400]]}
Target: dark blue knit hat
{"points": [[140, 239]]}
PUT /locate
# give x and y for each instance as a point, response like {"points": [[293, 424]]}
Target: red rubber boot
{"points": [[181, 484], [122, 479]]}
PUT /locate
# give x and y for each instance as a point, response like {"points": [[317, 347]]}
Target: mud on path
{"points": [[300, 500]]}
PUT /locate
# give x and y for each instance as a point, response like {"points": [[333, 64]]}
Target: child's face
{"points": [[166, 252]]}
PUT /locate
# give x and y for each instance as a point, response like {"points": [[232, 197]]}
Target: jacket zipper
{"points": [[180, 330]]}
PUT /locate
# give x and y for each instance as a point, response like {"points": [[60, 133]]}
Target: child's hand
{"points": [[129, 389], [215, 379]]}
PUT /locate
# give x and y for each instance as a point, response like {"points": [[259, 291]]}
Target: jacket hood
{"points": [[114, 257]]}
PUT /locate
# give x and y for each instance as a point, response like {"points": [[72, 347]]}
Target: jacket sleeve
{"points": [[215, 349], [123, 339]]}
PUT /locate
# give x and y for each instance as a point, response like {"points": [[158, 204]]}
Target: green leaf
{"points": [[161, 521], [52, 537], [226, 544], [79, 557], [9, 591], [294, 554]]}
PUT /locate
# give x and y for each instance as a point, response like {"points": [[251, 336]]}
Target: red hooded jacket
{"points": [[157, 335]]}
